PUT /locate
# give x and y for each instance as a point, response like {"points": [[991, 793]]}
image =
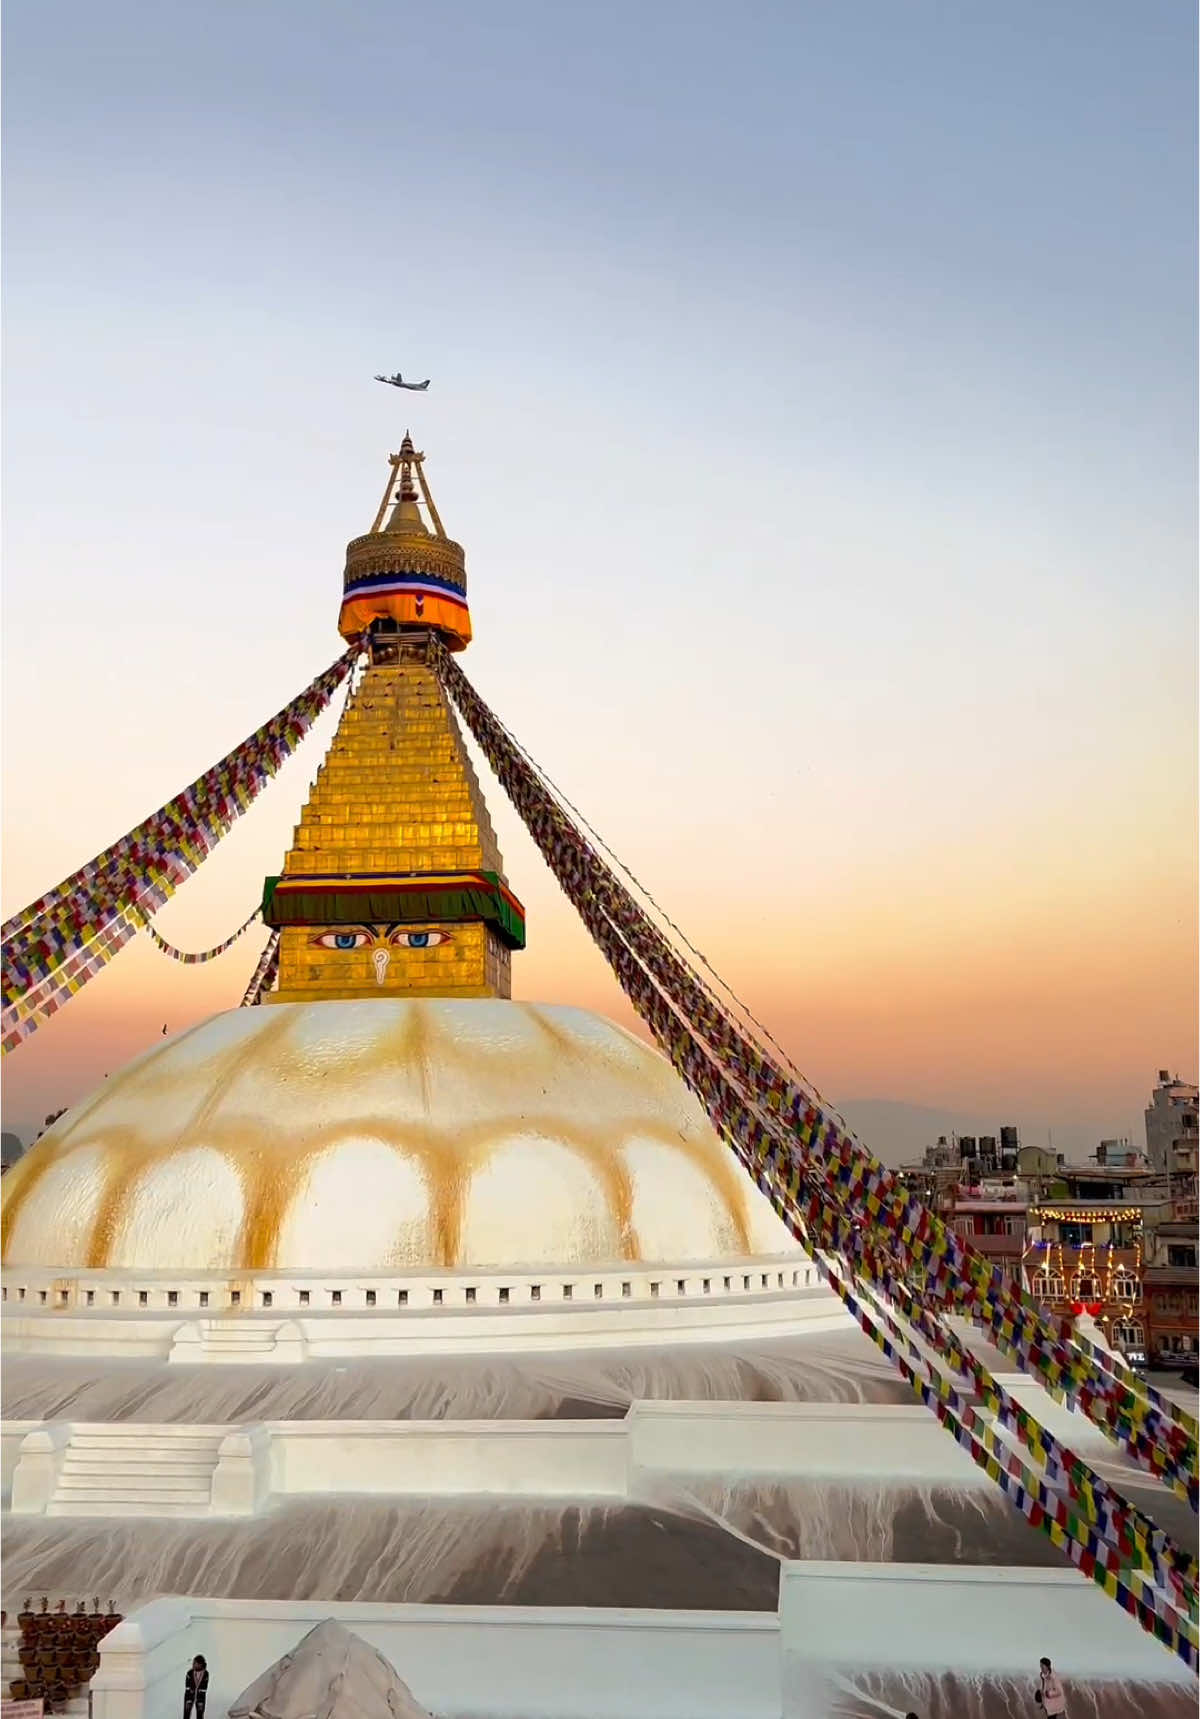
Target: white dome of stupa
{"points": [[388, 1135]]}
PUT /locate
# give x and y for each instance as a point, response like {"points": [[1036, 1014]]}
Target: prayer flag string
{"points": [[55, 945], [789, 1152]]}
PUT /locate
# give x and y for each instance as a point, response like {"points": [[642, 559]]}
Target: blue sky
{"points": [[814, 392]]}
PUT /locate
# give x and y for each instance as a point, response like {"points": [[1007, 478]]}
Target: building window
{"points": [[706, 1285], [1125, 1286], [627, 1290], [116, 1297], [535, 1292], [305, 1296], [598, 1291], [763, 1281], [235, 1298], [681, 1286], [438, 1297], [143, 1297], [203, 1298], [470, 1296], [42, 1295], [654, 1288], [727, 1283], [268, 1296], [503, 1297], [335, 1297], [172, 1298], [370, 1298], [745, 1283], [402, 1299], [62, 1298], [1129, 1336], [568, 1291], [91, 1297], [1048, 1286]]}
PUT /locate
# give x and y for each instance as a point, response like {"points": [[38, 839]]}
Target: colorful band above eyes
{"points": [[381, 899]]}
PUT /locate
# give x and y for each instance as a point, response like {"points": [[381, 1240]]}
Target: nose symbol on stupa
{"points": [[381, 958]]}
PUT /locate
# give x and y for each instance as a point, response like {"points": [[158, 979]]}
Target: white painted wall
{"points": [[159, 1314], [962, 1618], [519, 1662], [852, 1441], [548, 1459], [884, 1442], [526, 1662], [12, 1433]]}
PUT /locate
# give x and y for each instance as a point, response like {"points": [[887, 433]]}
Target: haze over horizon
{"points": [[814, 395]]}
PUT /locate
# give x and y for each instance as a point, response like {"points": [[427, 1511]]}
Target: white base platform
{"points": [[525, 1662], [287, 1317]]}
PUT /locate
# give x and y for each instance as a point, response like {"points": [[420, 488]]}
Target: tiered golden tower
{"points": [[394, 884]]}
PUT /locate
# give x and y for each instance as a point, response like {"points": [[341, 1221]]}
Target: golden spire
{"points": [[402, 572], [394, 884]]}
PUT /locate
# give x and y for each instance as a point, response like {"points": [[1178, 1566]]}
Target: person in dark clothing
{"points": [[195, 1688]]}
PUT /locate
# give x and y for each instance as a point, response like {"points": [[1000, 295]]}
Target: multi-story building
{"points": [[992, 1217], [1171, 1116], [971, 1182], [1172, 1292], [1085, 1246]]}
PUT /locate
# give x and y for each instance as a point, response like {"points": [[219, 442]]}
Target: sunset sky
{"points": [[813, 392]]}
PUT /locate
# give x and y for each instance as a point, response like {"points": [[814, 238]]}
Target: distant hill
{"points": [[11, 1148]]}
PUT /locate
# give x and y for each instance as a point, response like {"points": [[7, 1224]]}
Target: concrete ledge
{"points": [[971, 1619], [285, 1317], [39, 1463], [869, 1443], [520, 1662]]}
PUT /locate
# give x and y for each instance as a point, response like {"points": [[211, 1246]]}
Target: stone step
{"points": [[126, 1486], [153, 1448], [137, 1459], [190, 1479], [137, 1505]]}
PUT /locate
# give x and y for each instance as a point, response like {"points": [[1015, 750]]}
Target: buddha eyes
{"points": [[397, 939]]}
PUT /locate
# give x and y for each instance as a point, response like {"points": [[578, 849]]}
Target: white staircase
{"points": [[136, 1470], [238, 1339]]}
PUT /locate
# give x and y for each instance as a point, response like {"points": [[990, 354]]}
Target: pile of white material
{"points": [[331, 1674]]}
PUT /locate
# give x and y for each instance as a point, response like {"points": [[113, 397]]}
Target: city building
{"points": [[1171, 1287], [1085, 1247], [1171, 1117]]}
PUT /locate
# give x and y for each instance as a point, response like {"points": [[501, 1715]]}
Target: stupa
{"points": [[389, 1112], [388, 1300]]}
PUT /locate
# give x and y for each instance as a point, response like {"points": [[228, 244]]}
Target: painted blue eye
{"points": [[342, 939], [418, 939]]}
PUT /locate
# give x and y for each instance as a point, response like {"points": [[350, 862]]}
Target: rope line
{"points": [[192, 959], [852, 1208]]}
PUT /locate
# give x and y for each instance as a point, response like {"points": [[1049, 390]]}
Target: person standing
{"points": [[195, 1688], [1049, 1693]]}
